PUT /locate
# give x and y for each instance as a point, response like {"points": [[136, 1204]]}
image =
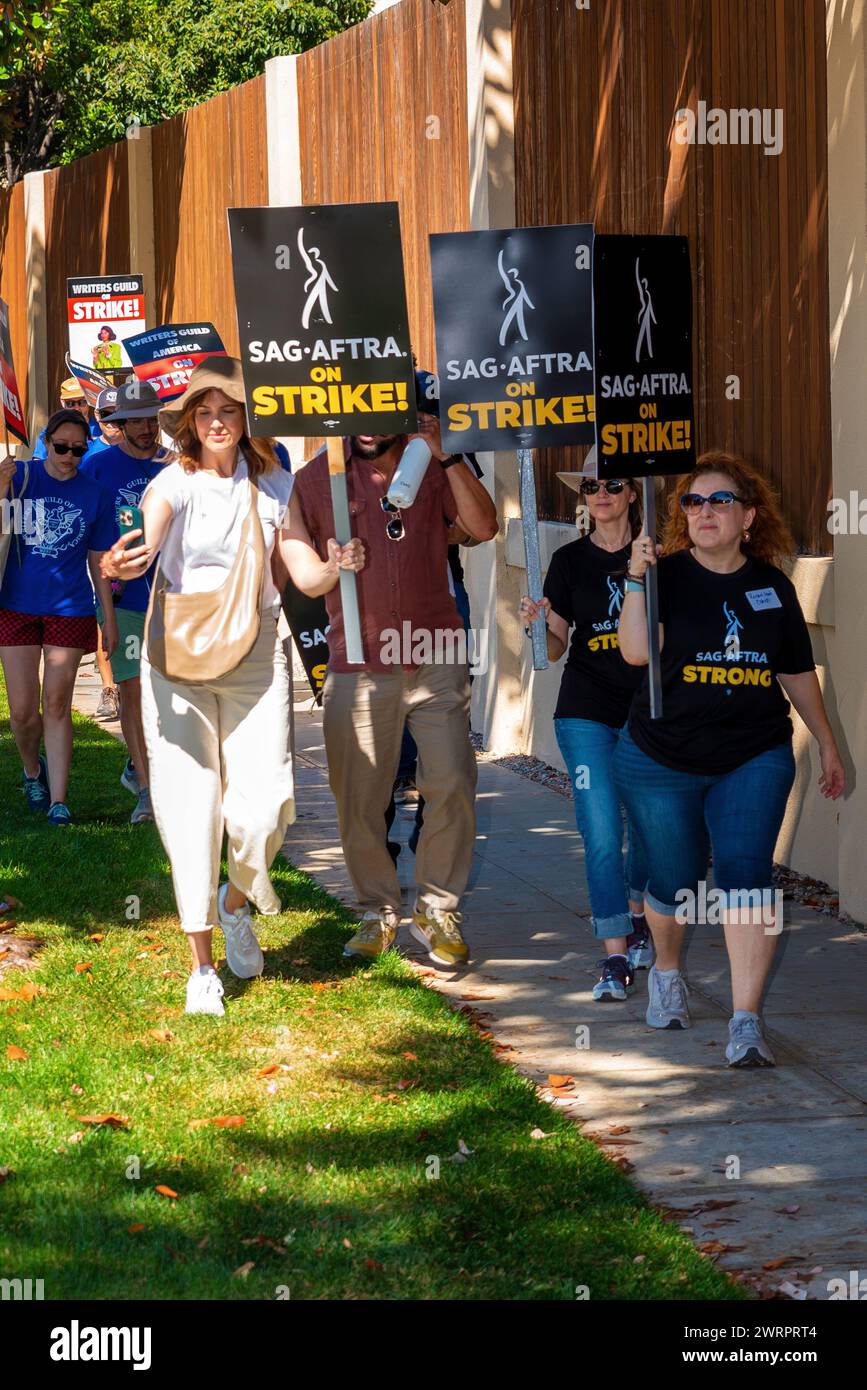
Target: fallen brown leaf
{"points": [[15, 1054], [27, 992], [7, 951], [560, 1083], [110, 1119], [243, 1270], [410, 1056], [269, 1070], [97, 936], [135, 1228], [161, 1034], [783, 1260], [619, 1129], [228, 1121], [82, 966], [165, 1191]]}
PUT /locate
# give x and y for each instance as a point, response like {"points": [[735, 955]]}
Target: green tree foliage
{"points": [[76, 74]]}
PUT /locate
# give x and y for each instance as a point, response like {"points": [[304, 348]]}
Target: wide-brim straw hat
{"points": [[213, 374], [574, 480]]}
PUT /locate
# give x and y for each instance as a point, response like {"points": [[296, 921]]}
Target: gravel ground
{"points": [[797, 887]]}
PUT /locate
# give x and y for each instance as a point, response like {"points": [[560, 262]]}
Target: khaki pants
{"points": [[364, 716], [220, 758]]}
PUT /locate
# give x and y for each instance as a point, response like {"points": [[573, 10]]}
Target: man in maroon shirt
{"points": [[415, 673]]}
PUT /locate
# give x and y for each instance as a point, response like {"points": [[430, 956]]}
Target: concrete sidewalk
{"points": [[796, 1135], [662, 1103]]}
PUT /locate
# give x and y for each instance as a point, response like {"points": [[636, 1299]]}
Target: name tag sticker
{"points": [[763, 598]]}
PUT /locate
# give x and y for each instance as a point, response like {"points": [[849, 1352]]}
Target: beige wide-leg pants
{"points": [[364, 714], [220, 759]]}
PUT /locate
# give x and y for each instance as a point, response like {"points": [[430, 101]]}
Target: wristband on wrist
{"points": [[634, 586], [636, 578], [452, 458]]}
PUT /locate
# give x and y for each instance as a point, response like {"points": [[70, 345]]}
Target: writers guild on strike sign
{"points": [[322, 319], [642, 330], [514, 337], [102, 310]]}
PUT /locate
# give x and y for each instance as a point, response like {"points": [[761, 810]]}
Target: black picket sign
{"points": [[322, 320], [642, 339], [514, 336]]}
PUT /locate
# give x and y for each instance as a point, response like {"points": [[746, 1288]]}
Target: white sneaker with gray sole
{"points": [[666, 1002], [747, 1046], [243, 953]]}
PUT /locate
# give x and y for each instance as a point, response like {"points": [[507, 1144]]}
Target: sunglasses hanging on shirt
{"points": [[394, 526]]}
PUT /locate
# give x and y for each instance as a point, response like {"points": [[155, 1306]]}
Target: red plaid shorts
{"points": [[46, 630]]}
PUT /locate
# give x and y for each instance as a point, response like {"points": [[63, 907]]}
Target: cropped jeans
{"points": [[588, 749]]}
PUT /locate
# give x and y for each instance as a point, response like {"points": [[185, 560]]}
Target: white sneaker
{"points": [[205, 992], [243, 952], [666, 999]]}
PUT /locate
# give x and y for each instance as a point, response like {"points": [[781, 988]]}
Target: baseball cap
{"points": [[107, 399], [70, 390]]}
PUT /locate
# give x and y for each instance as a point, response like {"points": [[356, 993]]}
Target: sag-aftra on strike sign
{"points": [[322, 319], [514, 336]]}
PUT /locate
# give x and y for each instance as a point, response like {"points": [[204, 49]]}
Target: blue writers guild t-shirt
{"points": [[123, 480], [74, 517], [725, 639], [585, 586]]}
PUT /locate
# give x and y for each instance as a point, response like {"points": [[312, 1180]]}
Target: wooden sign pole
{"points": [[530, 527], [652, 598], [343, 535]]}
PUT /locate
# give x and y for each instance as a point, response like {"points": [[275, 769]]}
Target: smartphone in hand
{"points": [[130, 518]]}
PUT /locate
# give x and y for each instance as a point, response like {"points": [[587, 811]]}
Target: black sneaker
{"points": [[36, 788], [616, 981], [639, 945]]}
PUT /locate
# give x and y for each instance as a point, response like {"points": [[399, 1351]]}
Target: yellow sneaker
{"points": [[440, 932], [375, 934]]}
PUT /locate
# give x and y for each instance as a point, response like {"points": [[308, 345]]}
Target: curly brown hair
{"points": [[259, 453], [770, 539]]}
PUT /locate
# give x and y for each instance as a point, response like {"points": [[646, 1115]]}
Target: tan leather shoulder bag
{"points": [[197, 638]]}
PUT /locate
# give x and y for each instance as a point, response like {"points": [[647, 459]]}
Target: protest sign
{"points": [[308, 620], [514, 336], [13, 410], [91, 382], [322, 320], [164, 357], [642, 325], [102, 311]]}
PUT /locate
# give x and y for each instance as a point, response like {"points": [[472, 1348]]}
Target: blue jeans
{"points": [[588, 750], [679, 815]]}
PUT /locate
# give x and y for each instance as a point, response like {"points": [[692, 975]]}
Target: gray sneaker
{"points": [[129, 778], [143, 809], [666, 1003], [108, 707], [747, 1046]]}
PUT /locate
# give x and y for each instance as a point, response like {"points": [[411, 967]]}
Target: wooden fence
{"points": [[383, 115], [595, 142]]}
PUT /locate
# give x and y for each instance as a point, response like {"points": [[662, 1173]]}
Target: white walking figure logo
{"points": [[516, 298], [646, 316], [616, 596], [318, 281], [732, 640]]}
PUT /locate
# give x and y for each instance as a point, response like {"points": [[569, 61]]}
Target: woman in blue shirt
{"points": [[63, 525]]}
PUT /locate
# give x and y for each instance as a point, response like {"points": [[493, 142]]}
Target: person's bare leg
{"points": [[751, 941], [21, 671], [667, 935], [234, 899], [129, 694], [201, 947], [103, 664], [58, 681], [615, 945]]}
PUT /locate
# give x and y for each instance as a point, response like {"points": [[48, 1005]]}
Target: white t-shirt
{"points": [[209, 511]]}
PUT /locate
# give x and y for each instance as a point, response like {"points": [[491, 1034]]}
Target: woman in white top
{"points": [[219, 750]]}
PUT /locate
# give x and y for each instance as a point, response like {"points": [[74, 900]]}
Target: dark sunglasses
{"points": [[614, 486], [692, 502], [77, 450], [394, 526]]}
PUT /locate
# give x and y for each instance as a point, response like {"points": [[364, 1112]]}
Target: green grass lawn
{"points": [[350, 1082]]}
